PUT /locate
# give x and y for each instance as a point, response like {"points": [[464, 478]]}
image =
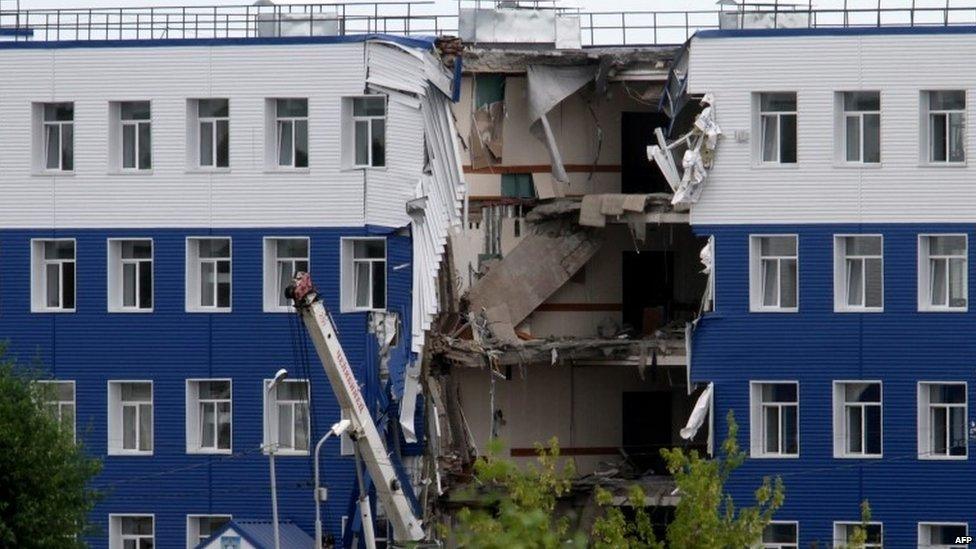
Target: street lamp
{"points": [[272, 446], [337, 429]]}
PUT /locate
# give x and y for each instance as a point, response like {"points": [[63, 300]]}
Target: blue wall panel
{"points": [[816, 346], [168, 346]]}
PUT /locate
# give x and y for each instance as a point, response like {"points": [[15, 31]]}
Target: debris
{"points": [[701, 142], [549, 86], [698, 414]]}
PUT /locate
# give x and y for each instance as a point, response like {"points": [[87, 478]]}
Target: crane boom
{"points": [[369, 444]]}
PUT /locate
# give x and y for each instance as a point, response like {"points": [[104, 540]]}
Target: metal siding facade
{"points": [[817, 189], [169, 346], [816, 346]]}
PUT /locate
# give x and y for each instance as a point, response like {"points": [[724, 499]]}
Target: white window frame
{"points": [[795, 545], [925, 274], [925, 534], [347, 274], [116, 419], [61, 404], [116, 276], [928, 134], [844, 114], [757, 424], [195, 122], [841, 275], [194, 272], [136, 123], [925, 450], [42, 140], [271, 288], [275, 133], [840, 409], [353, 120], [841, 534], [756, 278], [116, 538], [39, 276], [194, 433], [760, 129], [193, 536], [271, 405]]}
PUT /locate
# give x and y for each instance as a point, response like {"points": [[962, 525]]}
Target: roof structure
{"points": [[260, 534]]}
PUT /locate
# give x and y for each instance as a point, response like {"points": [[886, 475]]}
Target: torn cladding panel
{"points": [[548, 87], [701, 142]]}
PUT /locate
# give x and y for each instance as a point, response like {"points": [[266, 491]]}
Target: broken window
{"points": [[860, 280], [284, 257], [369, 131], [780, 535], [518, 185], [862, 127], [208, 274], [943, 277], [59, 146], [213, 117], [54, 275], [777, 126], [946, 125], [291, 133], [942, 431], [131, 276], [857, 419], [775, 411], [136, 135], [774, 273], [364, 274], [487, 120], [289, 421]]}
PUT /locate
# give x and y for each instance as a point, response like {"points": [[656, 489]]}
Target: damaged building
{"points": [[572, 280]]}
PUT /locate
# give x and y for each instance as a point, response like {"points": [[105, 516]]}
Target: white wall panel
{"points": [[174, 194], [818, 189]]}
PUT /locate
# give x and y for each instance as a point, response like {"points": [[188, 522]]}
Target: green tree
{"points": [[612, 530], [44, 474], [706, 515], [859, 537], [515, 507]]}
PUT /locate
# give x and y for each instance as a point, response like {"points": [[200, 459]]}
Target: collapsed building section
{"points": [[569, 288]]}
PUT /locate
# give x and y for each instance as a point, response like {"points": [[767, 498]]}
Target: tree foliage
{"points": [[44, 493], [707, 515]]}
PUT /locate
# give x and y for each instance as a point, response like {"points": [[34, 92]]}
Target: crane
{"points": [[369, 447]]}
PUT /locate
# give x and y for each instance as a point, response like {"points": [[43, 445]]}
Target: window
{"points": [[208, 416], [774, 273], [60, 402], [844, 534], [208, 280], [861, 120], [777, 127], [943, 277], [858, 273], [136, 135], [130, 418], [291, 133], [53, 275], [774, 426], [363, 274], [780, 535], [132, 532], [857, 419], [212, 123], [59, 144], [518, 185], [940, 535], [369, 130], [946, 126], [199, 528], [943, 432], [283, 257], [287, 405], [130, 275]]}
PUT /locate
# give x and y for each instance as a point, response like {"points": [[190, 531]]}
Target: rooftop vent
{"points": [[520, 26]]}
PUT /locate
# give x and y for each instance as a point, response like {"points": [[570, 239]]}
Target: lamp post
{"points": [[336, 430], [272, 446]]}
